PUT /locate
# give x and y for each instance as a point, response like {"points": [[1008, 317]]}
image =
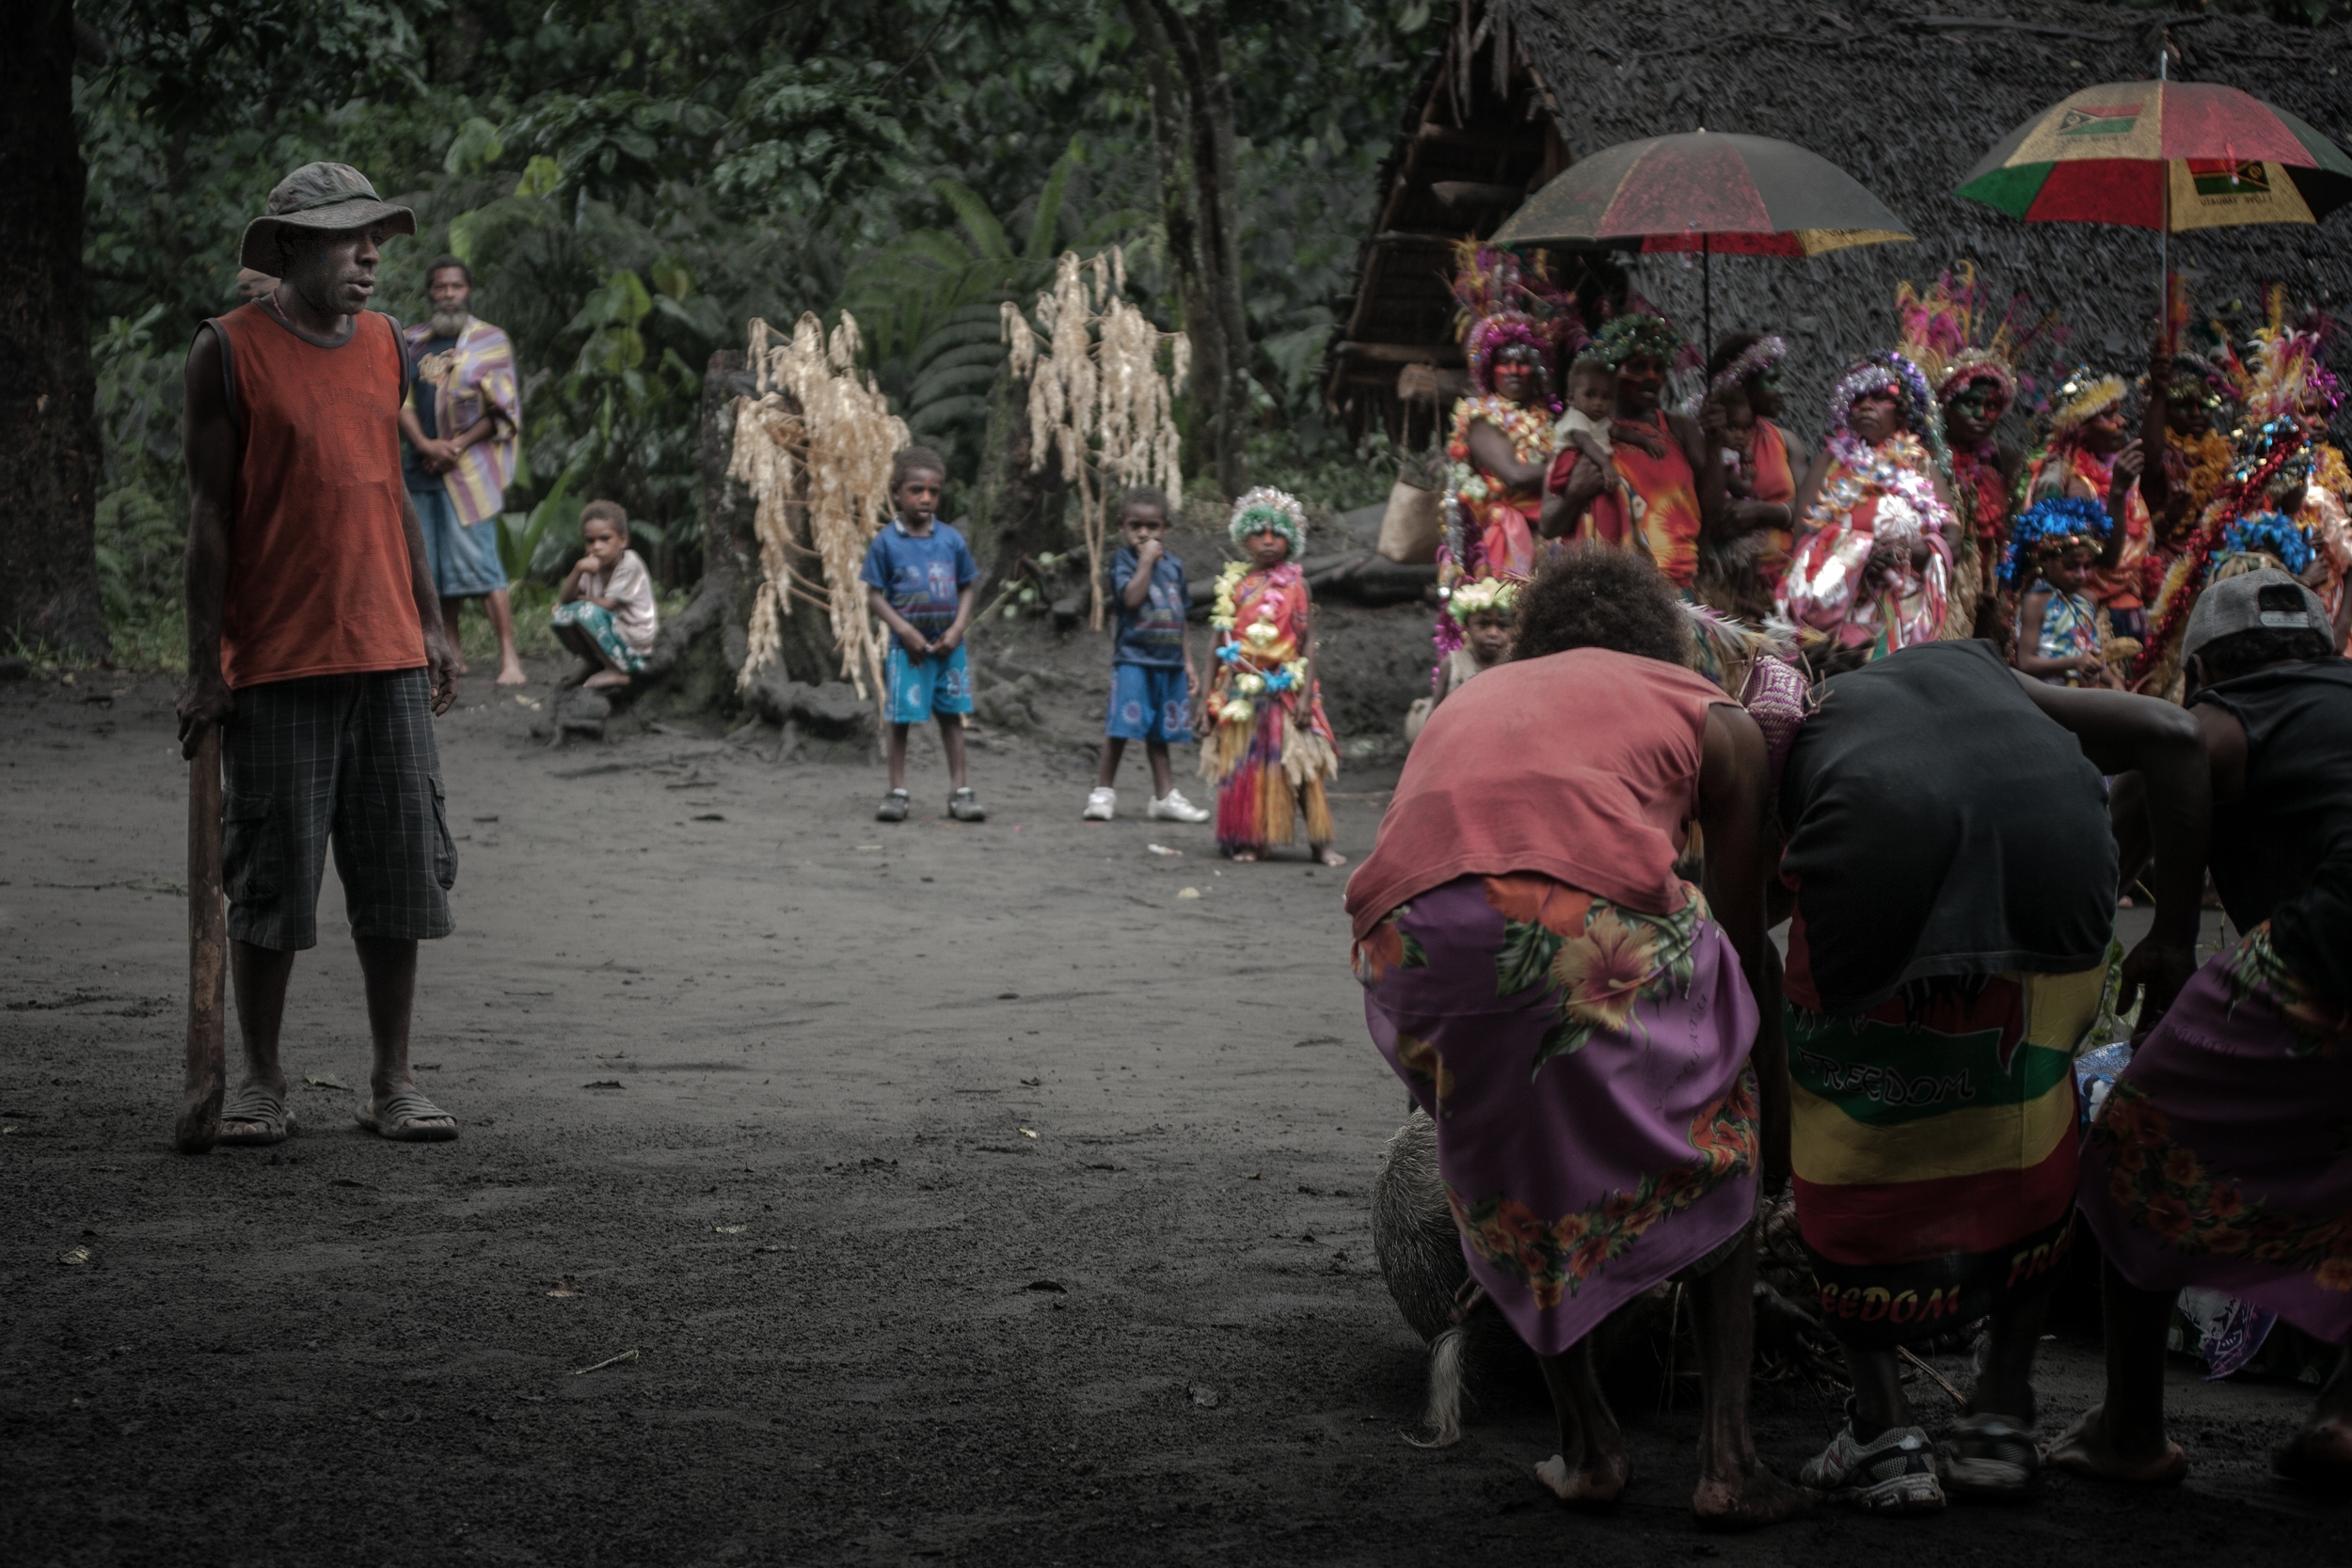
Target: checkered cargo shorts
{"points": [[346, 758]]}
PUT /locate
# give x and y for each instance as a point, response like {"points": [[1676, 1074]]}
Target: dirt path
{"points": [[967, 1194]]}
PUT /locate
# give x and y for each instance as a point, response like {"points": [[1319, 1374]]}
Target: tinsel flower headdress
{"points": [[1266, 509], [1498, 594], [2267, 533], [1889, 371], [1635, 335], [2083, 397], [2059, 522], [1505, 302], [1753, 360]]}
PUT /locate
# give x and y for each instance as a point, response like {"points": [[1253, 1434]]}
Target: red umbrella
{"points": [[1745, 196]]}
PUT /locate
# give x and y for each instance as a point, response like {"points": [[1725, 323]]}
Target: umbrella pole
{"points": [[1706, 295], [2163, 233]]}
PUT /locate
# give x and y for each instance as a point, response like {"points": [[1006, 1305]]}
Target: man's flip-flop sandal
{"points": [[402, 1116], [255, 1119]]}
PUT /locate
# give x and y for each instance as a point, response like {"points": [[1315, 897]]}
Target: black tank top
{"points": [[2283, 852], [1941, 825]]}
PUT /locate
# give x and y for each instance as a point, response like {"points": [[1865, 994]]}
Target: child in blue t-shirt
{"points": [[919, 577], [1152, 675]]}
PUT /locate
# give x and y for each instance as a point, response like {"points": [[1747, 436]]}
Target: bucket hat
{"points": [[329, 197]]}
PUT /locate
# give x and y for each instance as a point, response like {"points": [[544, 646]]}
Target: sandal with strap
{"points": [[1990, 1458], [402, 1117], [255, 1119]]}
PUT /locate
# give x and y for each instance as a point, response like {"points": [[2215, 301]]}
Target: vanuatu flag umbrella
{"points": [[2166, 155], [2162, 154], [1745, 196]]}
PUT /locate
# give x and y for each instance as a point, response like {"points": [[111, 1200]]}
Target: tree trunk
{"points": [[1193, 142], [49, 463], [1018, 510]]}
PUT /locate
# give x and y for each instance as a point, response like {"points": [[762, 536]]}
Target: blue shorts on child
{"points": [[921, 688], [1149, 702]]}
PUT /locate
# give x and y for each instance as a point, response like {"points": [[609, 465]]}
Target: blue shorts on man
{"points": [[1149, 702], [921, 689]]}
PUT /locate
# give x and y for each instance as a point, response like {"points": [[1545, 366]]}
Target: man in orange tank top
{"points": [[315, 639]]}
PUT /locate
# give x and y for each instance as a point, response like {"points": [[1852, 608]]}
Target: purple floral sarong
{"points": [[1586, 1067], [2223, 1158]]}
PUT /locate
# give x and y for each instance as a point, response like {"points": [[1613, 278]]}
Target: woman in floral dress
{"points": [[1579, 1020]]}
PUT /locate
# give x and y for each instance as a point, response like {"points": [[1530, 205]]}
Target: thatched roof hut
{"points": [[1902, 95]]}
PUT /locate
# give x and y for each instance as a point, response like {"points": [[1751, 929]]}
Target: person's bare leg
{"points": [[450, 608], [261, 975], [2321, 1454], [2122, 1439], [1106, 770], [581, 643], [502, 615], [1163, 770], [951, 742], [1735, 1489], [1591, 1469], [387, 965], [2005, 1382], [896, 750], [1879, 1401]]}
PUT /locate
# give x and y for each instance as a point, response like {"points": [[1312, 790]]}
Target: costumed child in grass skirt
{"points": [[1271, 750]]}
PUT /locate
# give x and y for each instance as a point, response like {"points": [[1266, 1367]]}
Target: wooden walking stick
{"points": [[208, 954]]}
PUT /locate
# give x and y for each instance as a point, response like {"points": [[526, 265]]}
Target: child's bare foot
{"points": [[2320, 1455], [1597, 1481], [1748, 1502], [2087, 1448], [1242, 857], [1325, 855], [511, 674], [604, 680], [581, 673]]}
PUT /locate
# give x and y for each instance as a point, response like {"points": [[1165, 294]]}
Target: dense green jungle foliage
{"points": [[633, 184]]}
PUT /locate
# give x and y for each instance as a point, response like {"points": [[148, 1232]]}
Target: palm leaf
{"points": [[976, 218]]}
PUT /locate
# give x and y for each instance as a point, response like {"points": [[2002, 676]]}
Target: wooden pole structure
{"points": [[208, 954]]}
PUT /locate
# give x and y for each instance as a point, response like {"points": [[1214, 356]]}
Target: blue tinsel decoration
{"points": [[2269, 533], [2060, 518]]}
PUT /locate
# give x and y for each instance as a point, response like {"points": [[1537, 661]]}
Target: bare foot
{"points": [[2086, 1449], [1748, 1502], [511, 674], [2319, 1456], [1597, 1483], [1244, 857], [604, 680], [1325, 855]]}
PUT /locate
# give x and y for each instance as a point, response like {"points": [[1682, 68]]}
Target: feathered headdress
{"points": [[2059, 522], [1268, 508], [2289, 375], [1946, 333], [1503, 303]]}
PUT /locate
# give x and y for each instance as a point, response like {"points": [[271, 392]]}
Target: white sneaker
{"points": [[1173, 807], [1893, 1473], [1102, 804]]}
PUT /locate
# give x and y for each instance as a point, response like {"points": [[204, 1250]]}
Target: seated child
{"points": [[1584, 436], [1152, 675], [919, 577], [1272, 750], [606, 613], [1487, 611], [2061, 636]]}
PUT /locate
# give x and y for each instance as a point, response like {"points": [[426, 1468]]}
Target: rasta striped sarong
{"points": [[1933, 1140]]}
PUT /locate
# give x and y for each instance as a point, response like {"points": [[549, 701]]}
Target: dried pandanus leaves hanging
{"points": [[1100, 399], [817, 442]]}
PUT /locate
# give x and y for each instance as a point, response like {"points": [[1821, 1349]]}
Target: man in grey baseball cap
{"points": [[323, 198], [2218, 1159]]}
